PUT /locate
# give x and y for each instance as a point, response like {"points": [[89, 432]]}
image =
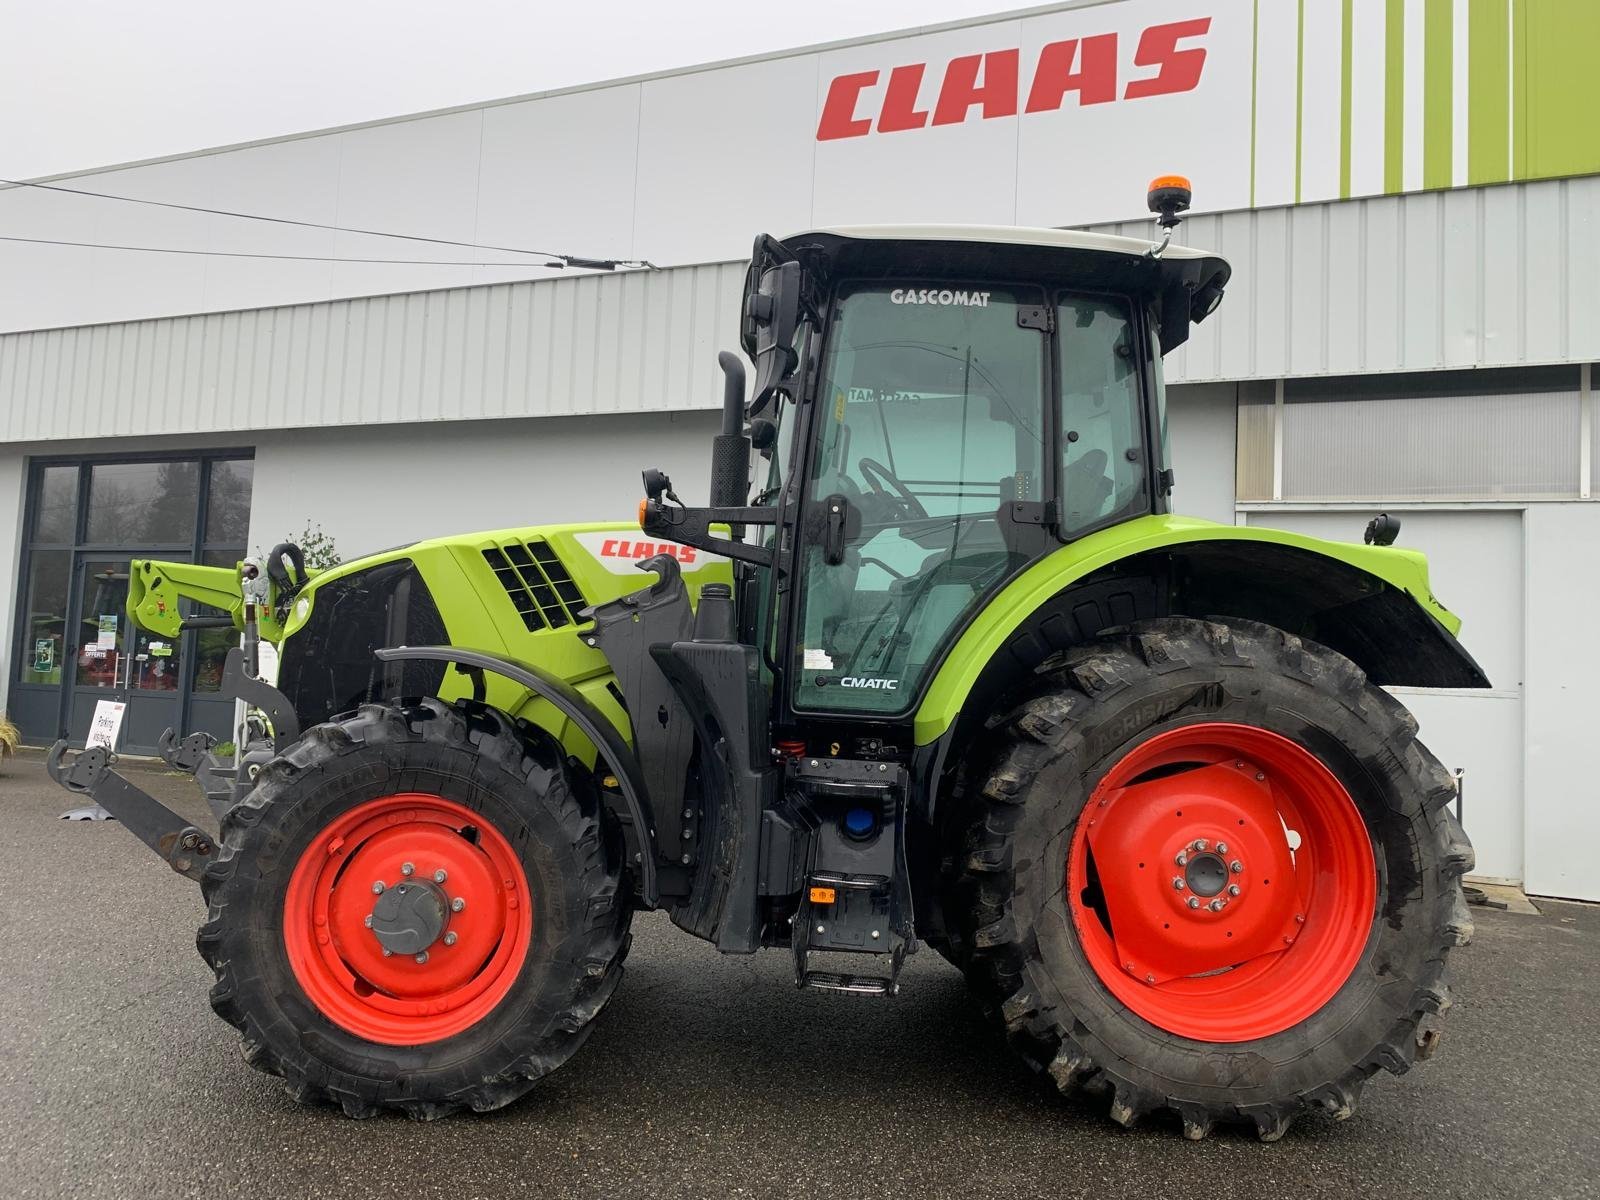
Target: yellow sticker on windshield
{"points": [[838, 404]]}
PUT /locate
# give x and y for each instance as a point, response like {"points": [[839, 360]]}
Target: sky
{"points": [[88, 83]]}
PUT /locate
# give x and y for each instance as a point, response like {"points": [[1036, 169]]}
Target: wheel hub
{"points": [[1206, 875], [409, 917]]}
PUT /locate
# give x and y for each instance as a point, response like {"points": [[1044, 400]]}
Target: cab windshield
{"points": [[931, 428]]}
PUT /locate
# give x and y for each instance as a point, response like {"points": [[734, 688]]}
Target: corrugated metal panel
{"points": [[640, 341], [1480, 277]]}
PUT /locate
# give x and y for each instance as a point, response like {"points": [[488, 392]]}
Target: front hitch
{"points": [[186, 849]]}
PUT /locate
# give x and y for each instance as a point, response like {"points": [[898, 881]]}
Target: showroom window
{"points": [[1514, 434], [86, 520]]}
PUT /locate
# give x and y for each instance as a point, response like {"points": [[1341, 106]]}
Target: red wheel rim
{"points": [[1222, 882], [473, 956]]}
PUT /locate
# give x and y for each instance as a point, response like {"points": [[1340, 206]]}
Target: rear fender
{"points": [[1371, 603]]}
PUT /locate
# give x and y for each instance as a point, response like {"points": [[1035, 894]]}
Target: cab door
{"points": [[928, 472]]}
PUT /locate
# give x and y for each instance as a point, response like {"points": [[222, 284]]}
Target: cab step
{"points": [[860, 985]]}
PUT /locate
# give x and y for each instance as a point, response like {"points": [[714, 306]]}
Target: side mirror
{"points": [[772, 314]]}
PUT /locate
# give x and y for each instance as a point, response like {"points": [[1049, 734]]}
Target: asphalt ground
{"points": [[710, 1076]]}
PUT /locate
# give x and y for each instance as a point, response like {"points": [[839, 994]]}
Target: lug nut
{"points": [[407, 869], [1194, 901], [1233, 889], [1177, 883], [1236, 866], [457, 904], [377, 887], [423, 957], [1149, 978], [1182, 860], [450, 938], [367, 920], [1218, 904], [1299, 918], [388, 953], [1222, 847], [439, 876], [1201, 843]]}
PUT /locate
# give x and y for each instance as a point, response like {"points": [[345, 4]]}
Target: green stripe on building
{"points": [[1488, 91], [1346, 52], [1255, 83], [1519, 89], [1561, 127], [1394, 97], [1438, 92], [1299, 97]]}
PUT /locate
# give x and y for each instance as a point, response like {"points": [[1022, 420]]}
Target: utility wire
{"points": [[572, 260], [406, 262]]}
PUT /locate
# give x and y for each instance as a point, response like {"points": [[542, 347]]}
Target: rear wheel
{"points": [[415, 909], [1208, 868]]}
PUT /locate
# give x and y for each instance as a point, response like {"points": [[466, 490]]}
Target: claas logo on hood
{"points": [[629, 548]]}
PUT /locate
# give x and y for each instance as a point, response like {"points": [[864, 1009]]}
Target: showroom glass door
{"points": [[87, 520], [113, 661]]}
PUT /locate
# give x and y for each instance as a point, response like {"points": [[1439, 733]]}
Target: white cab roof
{"points": [[1064, 239]]}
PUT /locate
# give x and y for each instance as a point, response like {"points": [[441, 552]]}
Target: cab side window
{"points": [[1102, 416]]}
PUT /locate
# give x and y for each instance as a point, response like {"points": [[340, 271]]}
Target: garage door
{"points": [[1476, 568]]}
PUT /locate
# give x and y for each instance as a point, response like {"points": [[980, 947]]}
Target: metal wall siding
{"points": [[595, 343], [1474, 277]]}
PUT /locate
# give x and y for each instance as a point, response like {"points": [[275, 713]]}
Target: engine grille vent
{"points": [[539, 586]]}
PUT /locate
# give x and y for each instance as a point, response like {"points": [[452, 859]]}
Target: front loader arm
{"points": [[156, 587]]}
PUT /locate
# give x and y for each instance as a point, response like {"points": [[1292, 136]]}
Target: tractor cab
{"points": [[938, 407]]}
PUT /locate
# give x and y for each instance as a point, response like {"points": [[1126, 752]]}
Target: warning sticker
{"points": [[817, 660]]}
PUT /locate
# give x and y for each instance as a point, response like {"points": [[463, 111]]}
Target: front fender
{"points": [[1205, 569], [571, 703]]}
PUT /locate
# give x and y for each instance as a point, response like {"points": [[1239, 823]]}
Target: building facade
{"points": [[1406, 189]]}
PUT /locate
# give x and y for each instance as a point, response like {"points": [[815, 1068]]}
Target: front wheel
{"points": [[415, 909], [1207, 867]]}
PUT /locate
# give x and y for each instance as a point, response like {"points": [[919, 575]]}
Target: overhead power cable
{"points": [[571, 260], [405, 262]]}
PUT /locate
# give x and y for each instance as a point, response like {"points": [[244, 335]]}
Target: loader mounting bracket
{"points": [[257, 693]]}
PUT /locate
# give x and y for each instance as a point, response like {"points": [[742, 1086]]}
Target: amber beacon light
{"points": [[1168, 196]]}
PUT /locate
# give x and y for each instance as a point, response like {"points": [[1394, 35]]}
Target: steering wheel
{"points": [[886, 485]]}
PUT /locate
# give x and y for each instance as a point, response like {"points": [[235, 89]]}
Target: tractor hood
{"points": [[1182, 285]]}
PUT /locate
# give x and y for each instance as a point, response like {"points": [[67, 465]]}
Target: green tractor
{"points": [[953, 675]]}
